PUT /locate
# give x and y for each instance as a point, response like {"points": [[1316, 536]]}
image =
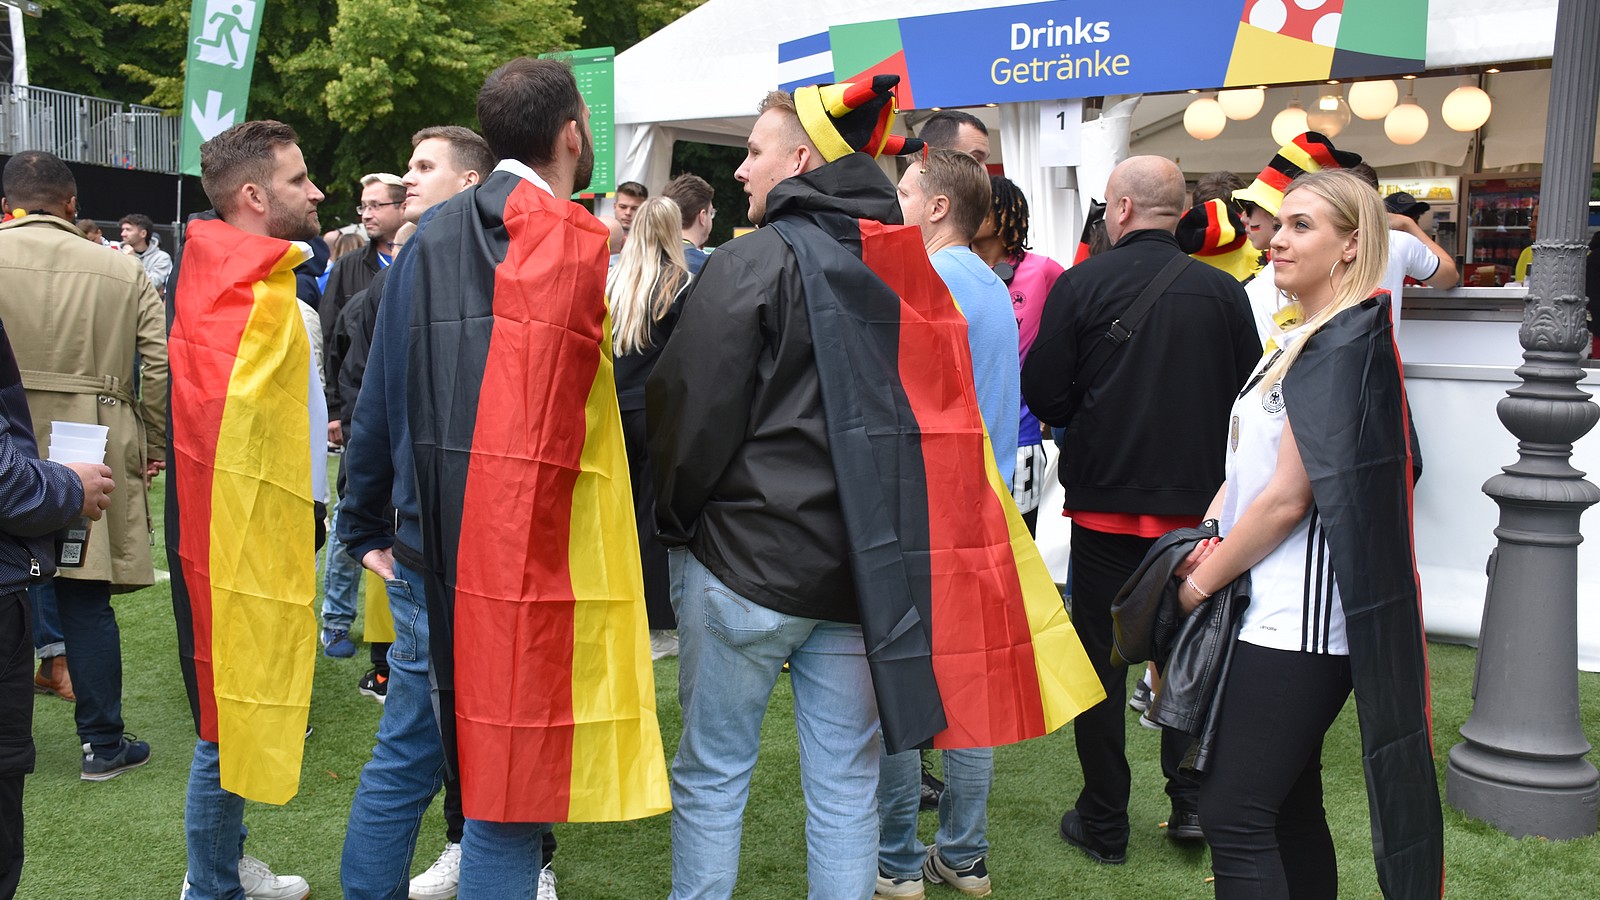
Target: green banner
{"points": [[595, 70], [216, 88]]}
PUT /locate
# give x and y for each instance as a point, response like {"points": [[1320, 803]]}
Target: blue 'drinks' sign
{"points": [[1081, 48]]}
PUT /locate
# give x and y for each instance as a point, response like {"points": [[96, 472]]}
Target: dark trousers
{"points": [[455, 823], [1261, 805], [1101, 564], [94, 658], [16, 732]]}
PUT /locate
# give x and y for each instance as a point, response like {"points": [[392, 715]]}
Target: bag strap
{"points": [[1125, 326]]}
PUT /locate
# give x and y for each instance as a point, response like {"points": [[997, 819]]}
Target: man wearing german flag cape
{"points": [[529, 555], [823, 477], [245, 478]]}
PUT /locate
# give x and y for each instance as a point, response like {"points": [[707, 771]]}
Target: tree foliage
{"points": [[354, 77]]}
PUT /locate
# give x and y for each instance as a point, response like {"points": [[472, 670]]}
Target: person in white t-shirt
{"points": [[1412, 254], [1289, 507]]}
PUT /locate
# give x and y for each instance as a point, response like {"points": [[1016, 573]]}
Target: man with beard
{"points": [[489, 368], [247, 467]]}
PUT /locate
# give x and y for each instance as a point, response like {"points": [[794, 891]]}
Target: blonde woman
{"points": [[644, 287], [1316, 509]]}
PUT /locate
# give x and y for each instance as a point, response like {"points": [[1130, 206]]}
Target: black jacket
{"points": [[352, 273], [1192, 652], [738, 442], [1147, 436]]}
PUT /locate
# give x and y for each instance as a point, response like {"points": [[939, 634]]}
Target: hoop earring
{"points": [[1334, 268]]}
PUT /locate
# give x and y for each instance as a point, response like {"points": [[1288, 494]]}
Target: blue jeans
{"points": [[341, 584], [730, 654], [407, 766], [963, 810], [48, 640], [213, 824], [501, 860], [95, 663]]}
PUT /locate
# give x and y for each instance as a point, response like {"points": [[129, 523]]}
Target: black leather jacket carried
{"points": [[1193, 652]]}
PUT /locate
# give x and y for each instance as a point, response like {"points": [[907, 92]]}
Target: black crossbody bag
{"points": [[1125, 326]]}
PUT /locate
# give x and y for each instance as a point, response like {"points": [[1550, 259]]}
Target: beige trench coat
{"points": [[89, 333]]}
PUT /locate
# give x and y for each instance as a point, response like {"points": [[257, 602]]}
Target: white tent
{"points": [[699, 79]]}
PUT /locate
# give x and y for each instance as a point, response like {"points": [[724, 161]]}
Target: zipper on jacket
{"points": [[33, 567]]}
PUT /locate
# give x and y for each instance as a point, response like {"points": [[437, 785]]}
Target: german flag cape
{"points": [[967, 639], [530, 554], [1347, 404], [244, 469]]}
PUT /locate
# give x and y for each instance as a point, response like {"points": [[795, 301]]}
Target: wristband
{"points": [[1189, 580]]}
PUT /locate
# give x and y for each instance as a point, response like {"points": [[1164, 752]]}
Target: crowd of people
{"points": [[573, 444]]}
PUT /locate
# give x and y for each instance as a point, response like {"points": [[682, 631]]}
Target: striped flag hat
{"points": [[1214, 234], [852, 117], [1310, 152]]}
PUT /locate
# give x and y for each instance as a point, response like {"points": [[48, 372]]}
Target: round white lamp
{"points": [[1289, 123], [1372, 100], [1329, 115], [1242, 103], [1407, 123], [1467, 107], [1204, 119]]}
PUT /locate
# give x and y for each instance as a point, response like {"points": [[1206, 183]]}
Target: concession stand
{"points": [[1459, 90]]}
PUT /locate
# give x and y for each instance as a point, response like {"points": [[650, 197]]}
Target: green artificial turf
{"points": [[124, 838]]}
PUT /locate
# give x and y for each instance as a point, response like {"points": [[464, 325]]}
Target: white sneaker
{"points": [[439, 882], [547, 884], [260, 884], [662, 645]]}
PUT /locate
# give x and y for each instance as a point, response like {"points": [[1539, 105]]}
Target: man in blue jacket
{"points": [[37, 499]]}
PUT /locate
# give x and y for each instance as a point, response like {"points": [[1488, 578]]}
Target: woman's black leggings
{"points": [[1261, 798]]}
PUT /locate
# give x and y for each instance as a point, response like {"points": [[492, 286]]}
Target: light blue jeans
{"points": [[407, 765], [731, 652], [213, 822], [341, 581], [963, 810]]}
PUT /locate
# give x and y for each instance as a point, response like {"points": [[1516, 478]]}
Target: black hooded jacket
{"points": [[738, 441]]}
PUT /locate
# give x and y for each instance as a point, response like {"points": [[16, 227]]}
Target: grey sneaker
{"points": [[971, 879], [891, 888], [102, 765], [1140, 701]]}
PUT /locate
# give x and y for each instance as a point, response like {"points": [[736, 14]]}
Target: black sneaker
{"points": [[932, 787], [104, 765], [1185, 827], [374, 685]]}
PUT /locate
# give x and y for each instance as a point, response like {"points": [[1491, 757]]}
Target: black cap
{"points": [[1406, 205]]}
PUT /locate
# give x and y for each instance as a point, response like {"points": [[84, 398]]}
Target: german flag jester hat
{"points": [[1310, 152], [852, 117], [1214, 234]]}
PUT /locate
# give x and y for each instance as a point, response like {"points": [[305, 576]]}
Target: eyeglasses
{"points": [[361, 209]]}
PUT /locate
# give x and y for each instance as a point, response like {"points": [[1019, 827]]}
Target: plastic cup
{"points": [[79, 430], [76, 453], [73, 450]]}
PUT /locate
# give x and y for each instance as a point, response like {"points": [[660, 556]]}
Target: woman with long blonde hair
{"points": [[643, 289], [1316, 511]]}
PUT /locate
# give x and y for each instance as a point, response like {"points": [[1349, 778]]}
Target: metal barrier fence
{"points": [[89, 130]]}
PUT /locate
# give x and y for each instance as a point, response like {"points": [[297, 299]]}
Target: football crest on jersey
{"points": [[1272, 400]]}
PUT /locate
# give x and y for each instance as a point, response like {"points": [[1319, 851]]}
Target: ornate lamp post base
{"points": [[1552, 799]]}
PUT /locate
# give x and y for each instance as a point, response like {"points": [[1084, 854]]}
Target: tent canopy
{"points": [[703, 74]]}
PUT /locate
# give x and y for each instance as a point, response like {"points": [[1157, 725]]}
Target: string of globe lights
{"points": [[1404, 120]]}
